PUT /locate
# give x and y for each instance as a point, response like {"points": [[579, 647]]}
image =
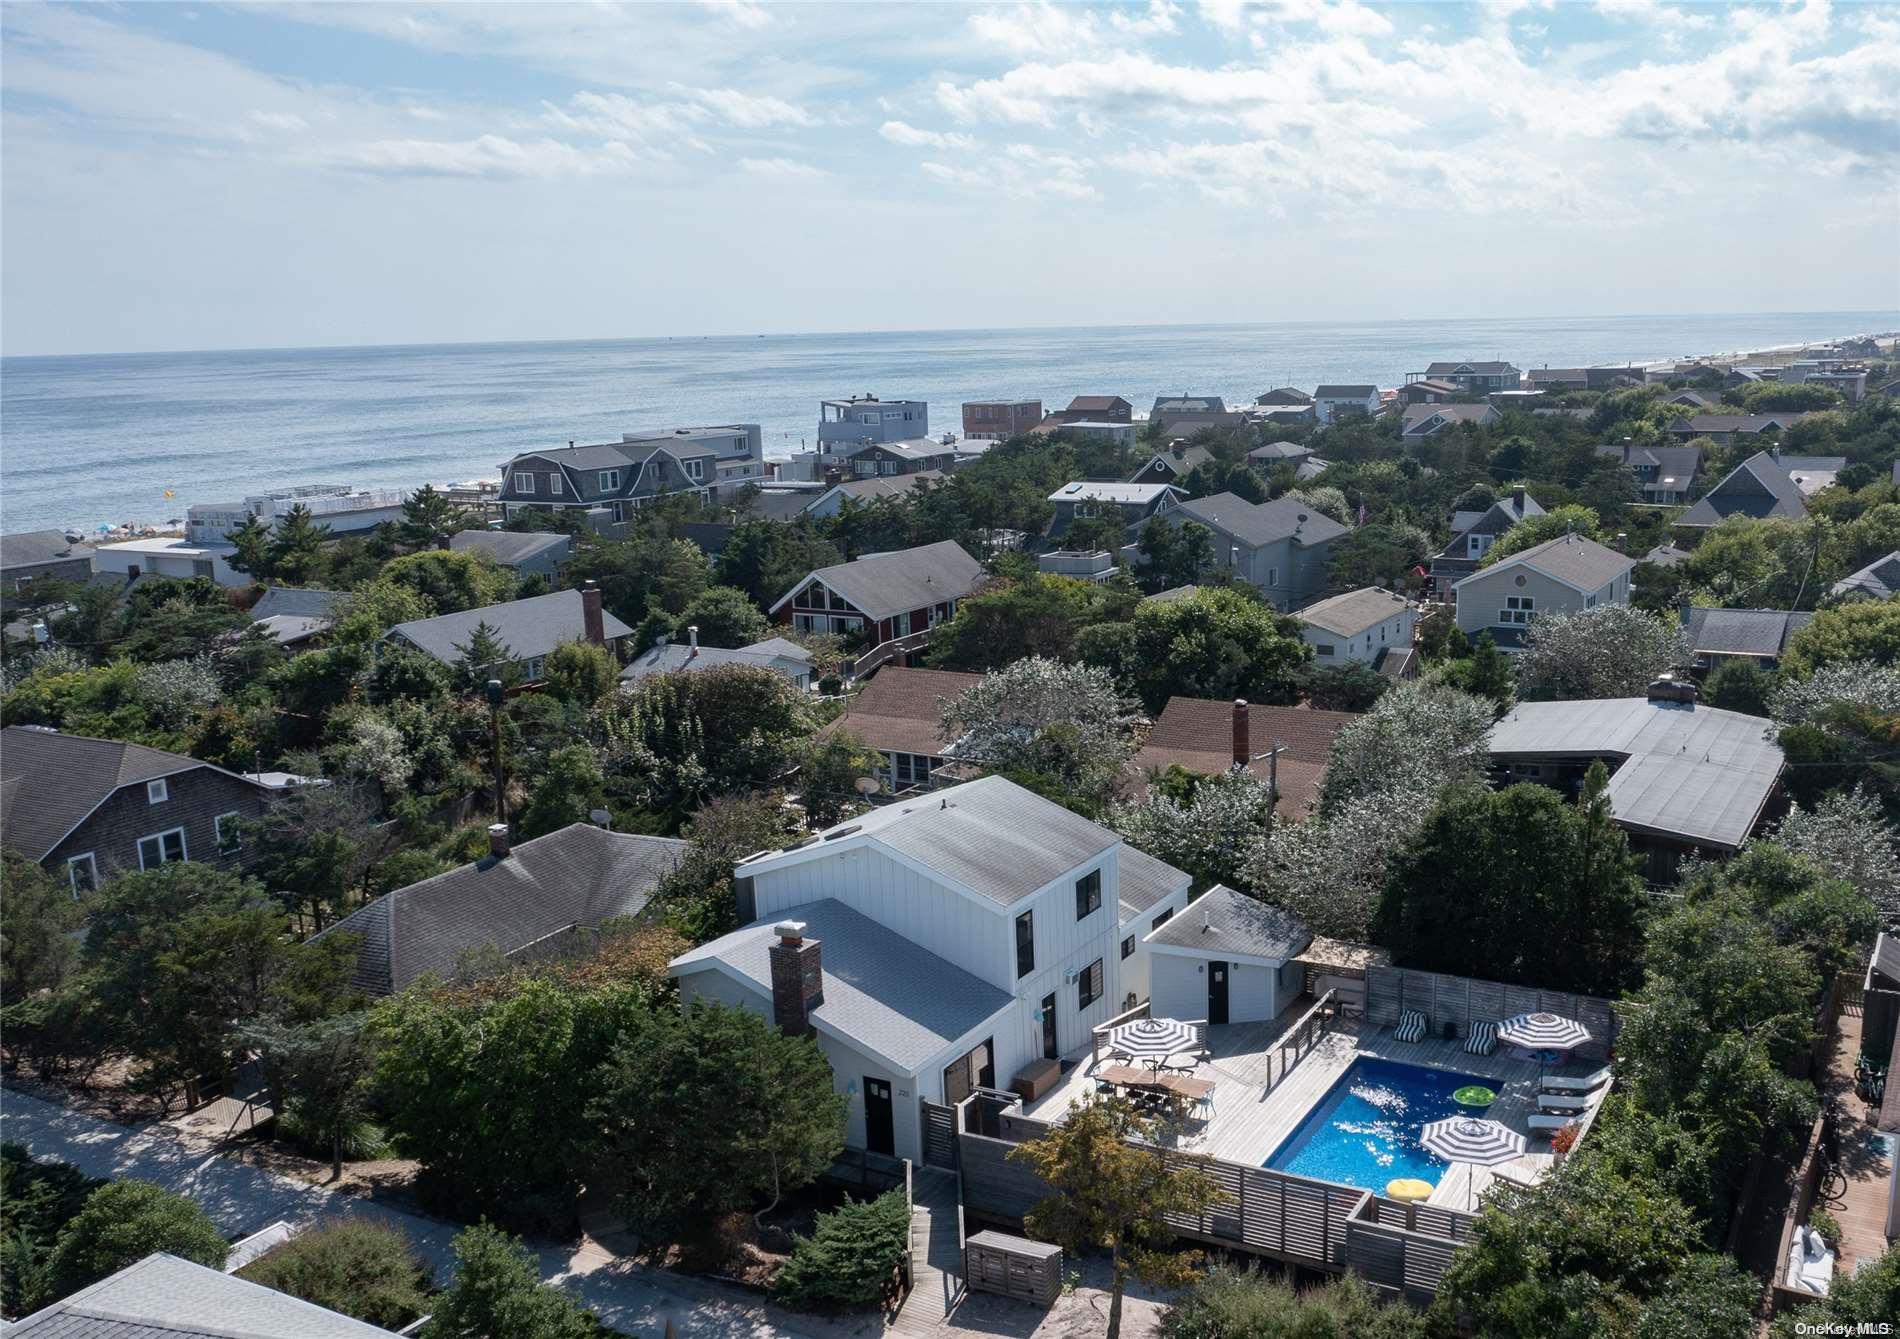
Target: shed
{"points": [[1030, 1271], [1228, 958]]}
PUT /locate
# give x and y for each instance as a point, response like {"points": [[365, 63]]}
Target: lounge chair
{"points": [[1483, 1039], [1561, 1102], [1545, 1122], [1559, 1083], [1412, 1026], [1810, 1263]]}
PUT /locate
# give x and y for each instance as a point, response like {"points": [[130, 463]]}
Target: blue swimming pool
{"points": [[1365, 1131]]}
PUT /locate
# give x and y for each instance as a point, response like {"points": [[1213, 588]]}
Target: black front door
{"points": [[879, 1133], [1217, 992], [1050, 1051], [986, 1072]]}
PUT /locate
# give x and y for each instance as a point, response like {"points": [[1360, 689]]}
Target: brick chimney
{"points": [[498, 840], [596, 627], [1517, 499], [1242, 749], [798, 978]]}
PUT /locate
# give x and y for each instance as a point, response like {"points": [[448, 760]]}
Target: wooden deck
{"points": [[1262, 1093]]}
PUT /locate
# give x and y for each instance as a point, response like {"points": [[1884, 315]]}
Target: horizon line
{"points": [[937, 330]]}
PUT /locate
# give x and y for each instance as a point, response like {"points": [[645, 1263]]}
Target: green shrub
{"points": [[849, 1262], [498, 1291], [356, 1266], [363, 1139], [1827, 1226], [122, 1223], [37, 1200], [1236, 1303]]}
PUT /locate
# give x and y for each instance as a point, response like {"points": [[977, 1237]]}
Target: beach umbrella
{"points": [[1152, 1039], [1468, 1139], [1543, 1032]]}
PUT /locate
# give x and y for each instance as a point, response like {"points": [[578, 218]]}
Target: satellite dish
{"points": [[868, 785]]}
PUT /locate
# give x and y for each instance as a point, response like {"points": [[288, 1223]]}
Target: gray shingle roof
{"points": [[881, 585], [291, 602], [1355, 611], [887, 995], [1447, 369], [1222, 922], [54, 780], [530, 628], [1743, 632], [685, 656], [1699, 424], [32, 547], [1344, 392], [507, 547], [581, 875], [1188, 404], [1756, 488], [1691, 772], [991, 836], [1146, 881], [1258, 523], [1880, 578], [1418, 414], [1572, 559], [164, 1297], [1119, 494]]}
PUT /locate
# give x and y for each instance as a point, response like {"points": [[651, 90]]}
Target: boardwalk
{"points": [[1262, 1094], [936, 1232]]}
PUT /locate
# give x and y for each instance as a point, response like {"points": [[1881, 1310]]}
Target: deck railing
{"points": [[1099, 1033], [1315, 1023], [884, 652]]}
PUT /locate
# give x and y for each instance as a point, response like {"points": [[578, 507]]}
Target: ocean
{"points": [[91, 440]]}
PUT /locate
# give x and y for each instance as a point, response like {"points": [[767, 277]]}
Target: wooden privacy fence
{"points": [[1294, 1219], [940, 1134], [1463, 1000]]}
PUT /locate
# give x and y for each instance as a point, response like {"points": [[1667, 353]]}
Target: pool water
{"points": [[1365, 1131]]}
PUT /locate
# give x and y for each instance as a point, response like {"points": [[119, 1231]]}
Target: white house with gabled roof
{"points": [[1565, 575], [938, 945]]}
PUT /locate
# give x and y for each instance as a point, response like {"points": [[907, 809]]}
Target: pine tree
{"points": [[296, 547], [252, 542], [1490, 674], [428, 518], [486, 656]]}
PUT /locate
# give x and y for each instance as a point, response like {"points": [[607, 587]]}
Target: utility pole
{"points": [[494, 721], [1272, 756]]}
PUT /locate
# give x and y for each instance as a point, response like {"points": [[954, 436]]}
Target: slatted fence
{"points": [[1463, 1000]]}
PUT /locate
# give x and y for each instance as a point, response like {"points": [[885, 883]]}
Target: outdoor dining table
{"points": [[1127, 1076]]}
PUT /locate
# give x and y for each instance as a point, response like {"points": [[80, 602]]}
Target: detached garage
{"points": [[1227, 958]]}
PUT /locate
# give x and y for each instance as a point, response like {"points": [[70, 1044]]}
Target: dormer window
{"points": [[554, 484], [524, 483], [695, 470], [609, 481], [157, 792]]}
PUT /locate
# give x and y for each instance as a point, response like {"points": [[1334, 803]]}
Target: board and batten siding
{"points": [[1063, 945], [1255, 993], [849, 1066], [1136, 971], [931, 915]]}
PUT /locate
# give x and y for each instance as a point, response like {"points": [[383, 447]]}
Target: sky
{"points": [[198, 176]]}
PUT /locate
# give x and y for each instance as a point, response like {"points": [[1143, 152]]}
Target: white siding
{"points": [[1063, 945], [849, 1066], [1177, 987], [1135, 971], [954, 927], [1252, 993]]}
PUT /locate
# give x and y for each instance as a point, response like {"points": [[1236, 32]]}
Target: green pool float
{"points": [[1474, 1095]]}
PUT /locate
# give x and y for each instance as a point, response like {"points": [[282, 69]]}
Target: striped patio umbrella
{"points": [[1467, 1139], [1543, 1032], [1152, 1039]]}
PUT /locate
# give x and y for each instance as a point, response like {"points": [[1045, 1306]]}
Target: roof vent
{"points": [[1207, 922], [844, 832]]}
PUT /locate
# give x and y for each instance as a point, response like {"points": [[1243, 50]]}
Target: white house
{"points": [[1228, 958], [1333, 403], [1360, 625], [169, 556], [939, 944]]}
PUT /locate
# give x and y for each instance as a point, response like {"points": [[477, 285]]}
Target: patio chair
{"points": [[1482, 1040], [1412, 1026], [1544, 1123], [1561, 1102], [1586, 1083]]}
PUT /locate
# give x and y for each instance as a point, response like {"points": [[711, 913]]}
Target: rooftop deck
{"points": [[1262, 1092]]}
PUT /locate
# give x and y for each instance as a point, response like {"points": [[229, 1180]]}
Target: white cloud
{"points": [[279, 121], [1341, 17], [750, 111], [779, 167], [899, 132], [484, 156]]}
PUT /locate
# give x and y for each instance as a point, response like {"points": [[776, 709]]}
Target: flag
{"points": [[168, 492]]}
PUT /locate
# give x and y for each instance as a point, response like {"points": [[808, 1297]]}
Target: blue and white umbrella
{"points": [[1543, 1032], [1468, 1139], [1152, 1039]]}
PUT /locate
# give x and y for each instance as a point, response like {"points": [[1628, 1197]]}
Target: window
{"points": [[230, 838], [1475, 545], [1324, 649], [554, 484], [1089, 985], [82, 872], [161, 848], [1163, 918], [695, 470], [1025, 944], [1088, 893], [1128, 948], [609, 481], [531, 669], [524, 483], [838, 601], [911, 769], [1273, 578], [1518, 609], [157, 792]]}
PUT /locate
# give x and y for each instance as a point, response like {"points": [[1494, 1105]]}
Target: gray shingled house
{"points": [[528, 628], [35, 557], [1280, 547], [528, 901], [522, 552], [1757, 488], [85, 809], [1565, 575]]}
